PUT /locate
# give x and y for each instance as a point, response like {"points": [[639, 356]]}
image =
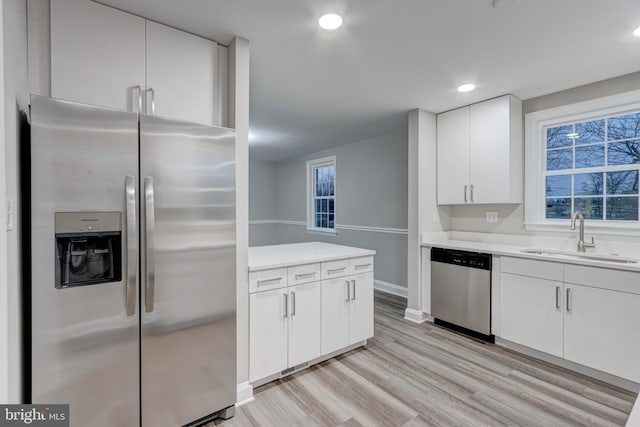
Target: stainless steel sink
{"points": [[581, 256]]}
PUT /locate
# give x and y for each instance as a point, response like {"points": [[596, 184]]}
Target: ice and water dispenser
{"points": [[88, 248]]}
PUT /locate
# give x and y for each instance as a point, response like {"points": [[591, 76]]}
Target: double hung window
{"points": [[321, 191]]}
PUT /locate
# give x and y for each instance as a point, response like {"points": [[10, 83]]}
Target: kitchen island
{"points": [[307, 302]]}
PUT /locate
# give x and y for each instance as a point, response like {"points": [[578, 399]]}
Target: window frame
{"points": [[535, 160], [311, 166]]}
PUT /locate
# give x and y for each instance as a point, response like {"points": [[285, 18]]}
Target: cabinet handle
{"points": [[153, 101], [557, 296], [353, 284], [265, 281], [362, 266], [465, 194], [336, 270], [284, 306], [348, 291], [293, 303], [138, 88], [568, 299], [471, 188], [305, 276]]}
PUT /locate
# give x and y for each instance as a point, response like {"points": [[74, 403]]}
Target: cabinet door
{"points": [[453, 156], [97, 54], [361, 307], [267, 333], [531, 311], [181, 68], [304, 323], [335, 314], [601, 330], [495, 151]]}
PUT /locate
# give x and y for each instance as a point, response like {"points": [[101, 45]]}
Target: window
{"points": [[582, 158], [321, 194]]}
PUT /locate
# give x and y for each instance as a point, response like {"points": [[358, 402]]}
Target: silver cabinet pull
{"points": [[293, 303], [557, 296], [150, 273], [285, 307], [465, 194], [138, 88], [266, 281], [471, 191], [348, 291], [132, 245], [153, 101], [362, 266], [305, 275], [336, 270], [568, 299], [353, 285]]}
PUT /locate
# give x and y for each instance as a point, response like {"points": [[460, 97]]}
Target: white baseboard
{"points": [[245, 394], [390, 288], [415, 316]]}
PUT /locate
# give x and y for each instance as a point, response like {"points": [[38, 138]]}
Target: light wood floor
{"points": [[422, 375]]}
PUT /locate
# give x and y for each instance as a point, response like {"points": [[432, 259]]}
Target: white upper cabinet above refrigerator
{"points": [[181, 70], [106, 57], [480, 153], [97, 54]]}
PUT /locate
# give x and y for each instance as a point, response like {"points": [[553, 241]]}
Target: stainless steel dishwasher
{"points": [[461, 291]]}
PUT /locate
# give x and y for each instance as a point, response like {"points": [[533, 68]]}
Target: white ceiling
{"points": [[311, 89]]}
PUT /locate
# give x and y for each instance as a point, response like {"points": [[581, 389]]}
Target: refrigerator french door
{"points": [[132, 289]]}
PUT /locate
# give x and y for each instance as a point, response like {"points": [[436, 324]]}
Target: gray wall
{"points": [[511, 217], [262, 202], [371, 191]]}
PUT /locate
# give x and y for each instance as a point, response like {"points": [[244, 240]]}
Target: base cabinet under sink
{"points": [[594, 325]]}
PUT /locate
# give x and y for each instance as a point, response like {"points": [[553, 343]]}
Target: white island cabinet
{"points": [[307, 302]]}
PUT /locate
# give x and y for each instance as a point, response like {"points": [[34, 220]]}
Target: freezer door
{"points": [[187, 176], [84, 329]]}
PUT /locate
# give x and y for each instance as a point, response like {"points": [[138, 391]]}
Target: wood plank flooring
{"points": [[422, 375]]}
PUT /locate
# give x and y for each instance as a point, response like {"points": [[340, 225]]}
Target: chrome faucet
{"points": [[582, 246]]}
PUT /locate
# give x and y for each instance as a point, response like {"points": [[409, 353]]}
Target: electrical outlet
{"points": [[491, 217], [436, 217], [10, 215]]}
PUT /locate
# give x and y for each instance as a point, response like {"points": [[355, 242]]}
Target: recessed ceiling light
{"points": [[637, 32], [330, 21], [467, 87]]}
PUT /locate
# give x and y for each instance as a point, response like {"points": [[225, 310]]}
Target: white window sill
{"points": [[322, 231], [611, 229]]}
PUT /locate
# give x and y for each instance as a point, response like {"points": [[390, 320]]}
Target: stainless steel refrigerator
{"points": [[132, 301]]}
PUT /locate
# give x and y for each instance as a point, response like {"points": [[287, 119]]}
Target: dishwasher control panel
{"points": [[462, 258]]}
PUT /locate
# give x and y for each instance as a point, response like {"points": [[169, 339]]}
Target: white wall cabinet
{"points": [[479, 151], [181, 69], [592, 325], [103, 56], [97, 54], [295, 317]]}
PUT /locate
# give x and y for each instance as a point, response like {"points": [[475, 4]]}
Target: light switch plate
{"points": [[491, 217]]}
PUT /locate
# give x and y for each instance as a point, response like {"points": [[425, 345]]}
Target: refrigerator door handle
{"points": [[150, 273], [132, 245]]}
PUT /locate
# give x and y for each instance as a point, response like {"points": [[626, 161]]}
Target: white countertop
{"points": [[277, 256], [513, 246]]}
